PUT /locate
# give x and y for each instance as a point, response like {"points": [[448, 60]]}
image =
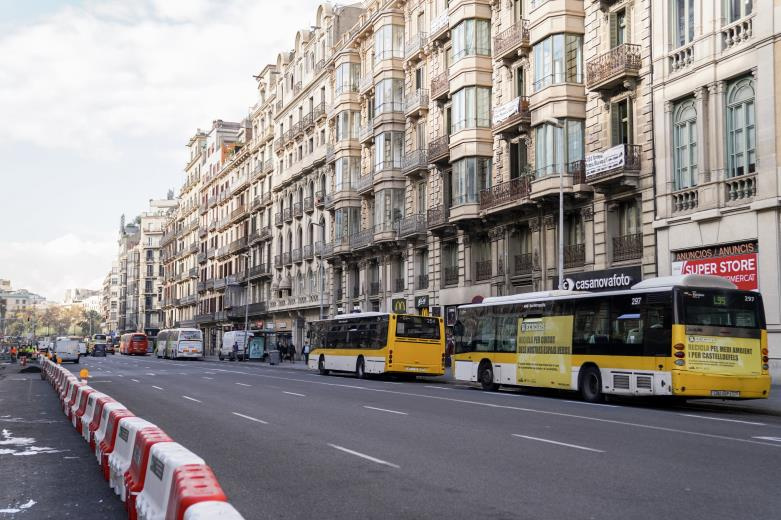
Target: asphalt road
{"points": [[288, 443]]}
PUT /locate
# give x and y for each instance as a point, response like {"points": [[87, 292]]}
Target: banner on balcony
{"points": [[502, 112], [604, 161], [603, 280], [740, 269]]}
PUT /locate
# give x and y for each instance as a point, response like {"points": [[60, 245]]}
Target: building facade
{"points": [[109, 304], [717, 176]]}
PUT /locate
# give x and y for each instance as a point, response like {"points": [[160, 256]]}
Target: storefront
{"points": [[736, 262]]}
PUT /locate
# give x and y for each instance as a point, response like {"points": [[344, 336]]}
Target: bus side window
{"points": [[658, 327], [591, 327], [506, 333], [626, 330]]}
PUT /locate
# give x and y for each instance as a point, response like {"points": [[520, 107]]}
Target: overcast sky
{"points": [[98, 99]]}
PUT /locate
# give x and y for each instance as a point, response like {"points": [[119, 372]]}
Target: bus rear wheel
{"points": [[360, 369], [486, 376], [321, 366], [591, 385]]}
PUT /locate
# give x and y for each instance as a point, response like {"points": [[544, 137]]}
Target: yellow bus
{"points": [[378, 343], [688, 336]]}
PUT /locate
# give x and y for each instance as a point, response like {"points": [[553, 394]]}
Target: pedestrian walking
{"points": [[292, 352], [306, 353]]}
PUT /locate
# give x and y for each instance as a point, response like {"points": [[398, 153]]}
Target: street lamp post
{"points": [[558, 124], [321, 269], [246, 305]]}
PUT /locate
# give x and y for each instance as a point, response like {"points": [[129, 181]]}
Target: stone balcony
{"points": [[414, 162], [298, 209], [412, 225], [440, 87], [414, 48], [416, 104], [546, 181], [439, 149], [627, 247], [278, 219], [505, 195], [287, 215], [715, 191], [615, 168], [512, 43], [613, 68], [437, 216], [512, 118], [364, 183], [362, 238]]}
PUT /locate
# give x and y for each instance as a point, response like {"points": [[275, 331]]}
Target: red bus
{"points": [[133, 343]]}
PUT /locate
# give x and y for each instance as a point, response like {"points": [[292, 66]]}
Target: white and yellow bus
{"points": [[378, 343], [688, 336]]}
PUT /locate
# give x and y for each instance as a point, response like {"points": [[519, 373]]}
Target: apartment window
{"points": [[388, 150], [346, 222], [741, 129], [389, 42], [346, 77], [347, 124], [517, 10], [311, 144], [346, 171], [420, 202], [519, 75], [389, 96], [558, 59], [388, 207], [471, 37], [471, 108], [419, 78], [420, 135], [450, 263], [682, 21], [518, 159], [628, 218], [737, 9], [574, 229], [621, 122], [685, 145], [468, 177], [551, 154], [619, 29], [150, 255], [481, 256], [149, 271]]}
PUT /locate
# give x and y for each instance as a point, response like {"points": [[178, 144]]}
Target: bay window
{"points": [[558, 59], [389, 42], [346, 171], [388, 96], [347, 221], [347, 122], [388, 208], [737, 9], [682, 14], [471, 108], [469, 176], [551, 155], [388, 151], [471, 38], [346, 77]]}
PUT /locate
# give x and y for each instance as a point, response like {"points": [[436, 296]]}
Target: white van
{"points": [[228, 340], [179, 343], [67, 349]]}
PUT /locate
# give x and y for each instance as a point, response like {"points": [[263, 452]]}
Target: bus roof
{"points": [[368, 314], [538, 295], [686, 280]]}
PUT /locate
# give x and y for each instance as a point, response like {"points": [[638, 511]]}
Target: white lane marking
{"points": [[386, 410], [774, 439], [558, 443], [364, 456], [136, 380], [153, 386], [243, 384], [120, 375], [208, 377], [149, 374], [91, 382], [438, 387], [515, 408], [249, 418], [722, 419], [293, 393], [590, 404], [191, 399]]}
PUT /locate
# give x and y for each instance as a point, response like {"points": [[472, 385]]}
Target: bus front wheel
{"points": [[220, 356], [360, 369], [321, 366], [591, 385], [486, 377]]}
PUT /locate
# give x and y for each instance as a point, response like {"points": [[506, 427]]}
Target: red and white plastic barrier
{"points": [[157, 478], [119, 459], [164, 458]]}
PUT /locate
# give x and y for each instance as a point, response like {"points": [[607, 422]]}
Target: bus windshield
{"points": [[720, 308], [417, 327], [190, 335]]}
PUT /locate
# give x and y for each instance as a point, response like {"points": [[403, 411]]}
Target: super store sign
{"points": [[736, 262]]}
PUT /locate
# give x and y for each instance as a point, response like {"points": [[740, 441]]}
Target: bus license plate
{"points": [[724, 393], [414, 369]]}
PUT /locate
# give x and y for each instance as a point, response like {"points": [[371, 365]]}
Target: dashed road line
{"points": [[293, 393], [153, 386], [722, 419], [249, 418], [192, 399], [243, 384], [364, 456], [584, 448], [385, 410]]}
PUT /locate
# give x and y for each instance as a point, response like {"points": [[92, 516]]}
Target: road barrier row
{"points": [[156, 478]]}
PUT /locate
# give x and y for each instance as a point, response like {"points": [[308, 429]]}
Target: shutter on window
{"points": [[628, 25], [630, 130], [613, 22], [615, 123]]}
